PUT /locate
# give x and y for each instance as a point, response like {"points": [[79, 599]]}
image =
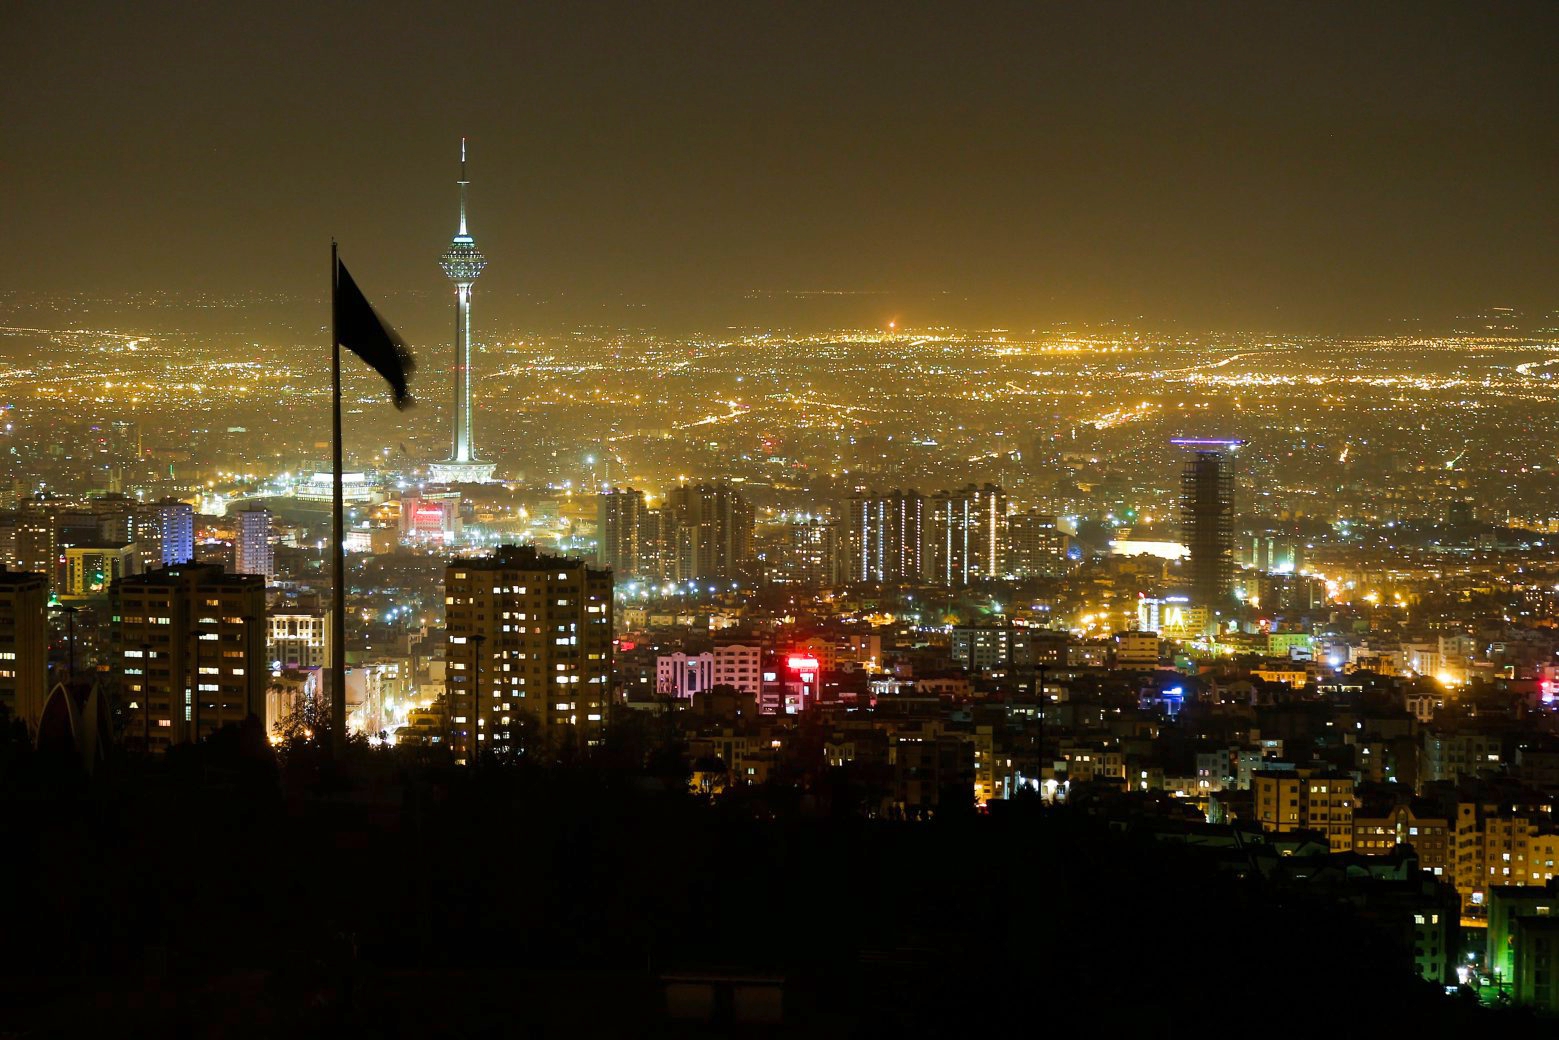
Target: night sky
{"points": [[1299, 167]]}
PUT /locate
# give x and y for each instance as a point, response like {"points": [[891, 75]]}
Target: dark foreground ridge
{"points": [[222, 894]]}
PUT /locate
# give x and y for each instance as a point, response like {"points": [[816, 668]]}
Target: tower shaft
{"points": [[462, 264], [464, 448]]}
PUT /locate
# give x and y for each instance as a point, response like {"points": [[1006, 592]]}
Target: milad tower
{"points": [[462, 263]]}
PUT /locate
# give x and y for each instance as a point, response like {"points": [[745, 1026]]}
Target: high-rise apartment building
{"points": [[968, 535], [37, 546], [657, 560], [146, 533], [24, 644], [619, 520], [76, 525], [886, 537], [1036, 546], [115, 515], [9, 522], [802, 550], [252, 549], [175, 522], [1207, 524], [190, 650], [711, 532], [530, 651]]}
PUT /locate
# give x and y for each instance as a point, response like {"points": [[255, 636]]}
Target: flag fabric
{"points": [[360, 330]]}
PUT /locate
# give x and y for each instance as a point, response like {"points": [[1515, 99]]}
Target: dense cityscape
{"points": [[953, 569], [831, 664]]}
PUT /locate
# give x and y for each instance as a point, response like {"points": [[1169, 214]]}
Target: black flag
{"points": [[360, 330]]}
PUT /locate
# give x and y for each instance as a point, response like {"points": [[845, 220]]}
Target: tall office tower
{"points": [[530, 651], [711, 532], [24, 644], [190, 649], [619, 520], [1207, 522], [252, 551], [968, 535], [175, 531], [886, 537], [1036, 546], [299, 635], [462, 264]]}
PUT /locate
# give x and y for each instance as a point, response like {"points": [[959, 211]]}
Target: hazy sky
{"points": [[1295, 166]]}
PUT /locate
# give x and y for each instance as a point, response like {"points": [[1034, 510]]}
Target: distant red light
{"points": [[626, 645], [802, 663]]}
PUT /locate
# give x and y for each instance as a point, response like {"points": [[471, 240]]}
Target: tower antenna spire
{"points": [[463, 182]]}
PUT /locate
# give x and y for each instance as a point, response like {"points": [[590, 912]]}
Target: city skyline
{"points": [[1073, 478]]}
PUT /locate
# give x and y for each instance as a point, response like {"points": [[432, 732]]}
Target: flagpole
{"points": [[337, 532]]}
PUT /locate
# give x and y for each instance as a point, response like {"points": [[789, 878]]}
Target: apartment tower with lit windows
{"points": [[530, 652], [24, 644], [189, 652]]}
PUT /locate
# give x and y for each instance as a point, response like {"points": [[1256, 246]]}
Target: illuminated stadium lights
{"points": [[1206, 442]]}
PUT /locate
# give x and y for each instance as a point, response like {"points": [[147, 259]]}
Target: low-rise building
{"points": [[1307, 800]]}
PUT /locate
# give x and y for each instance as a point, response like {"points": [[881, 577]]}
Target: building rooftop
{"points": [[207, 574], [520, 556]]}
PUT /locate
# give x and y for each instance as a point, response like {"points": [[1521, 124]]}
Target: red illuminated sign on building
{"points": [[803, 663]]}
